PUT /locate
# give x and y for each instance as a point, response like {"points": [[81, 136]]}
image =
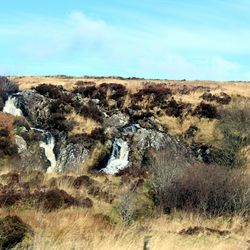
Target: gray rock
{"points": [[70, 156], [36, 107], [117, 120], [21, 144]]}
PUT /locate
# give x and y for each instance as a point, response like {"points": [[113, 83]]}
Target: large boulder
{"points": [[116, 120]]}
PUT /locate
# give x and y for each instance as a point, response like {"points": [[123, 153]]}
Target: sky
{"points": [[161, 39]]}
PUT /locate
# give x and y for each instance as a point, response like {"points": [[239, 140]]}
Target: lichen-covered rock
{"points": [[21, 144], [71, 155], [116, 120], [35, 107]]}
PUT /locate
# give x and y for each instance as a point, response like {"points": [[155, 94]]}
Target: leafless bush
{"points": [[128, 207], [166, 166], [235, 127], [201, 188]]}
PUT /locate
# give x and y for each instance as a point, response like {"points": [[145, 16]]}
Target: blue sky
{"points": [[171, 39]]}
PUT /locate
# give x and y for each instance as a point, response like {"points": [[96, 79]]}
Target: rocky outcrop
{"points": [[60, 148]]}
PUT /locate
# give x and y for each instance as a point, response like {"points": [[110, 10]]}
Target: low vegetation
{"points": [[172, 199]]}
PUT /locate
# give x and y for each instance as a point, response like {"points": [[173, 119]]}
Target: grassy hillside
{"points": [[192, 196]]}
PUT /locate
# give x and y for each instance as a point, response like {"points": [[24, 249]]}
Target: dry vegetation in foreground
{"points": [[121, 213], [81, 229]]}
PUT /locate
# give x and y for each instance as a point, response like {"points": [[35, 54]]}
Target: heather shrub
{"points": [[50, 90], [82, 181], [7, 147], [86, 203], [1, 104], [4, 132], [85, 91], [173, 108], [7, 87], [9, 198], [59, 122], [222, 98], [54, 199], [205, 110], [117, 91], [91, 111], [159, 91], [12, 231]]}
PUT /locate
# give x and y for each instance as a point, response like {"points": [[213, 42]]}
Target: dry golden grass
{"points": [[83, 229], [232, 88], [83, 124]]}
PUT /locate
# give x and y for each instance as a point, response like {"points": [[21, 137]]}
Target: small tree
{"points": [[167, 166]]}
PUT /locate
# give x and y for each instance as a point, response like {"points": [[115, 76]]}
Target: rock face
{"points": [[36, 107], [70, 156]]}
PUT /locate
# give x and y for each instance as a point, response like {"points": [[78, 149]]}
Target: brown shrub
{"points": [[50, 90], [12, 231], [91, 111], [158, 90], [7, 147], [222, 98], [9, 198], [59, 122], [7, 88], [115, 90], [85, 91], [87, 203], [201, 188], [205, 110], [82, 181], [4, 132], [172, 108], [50, 200]]}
